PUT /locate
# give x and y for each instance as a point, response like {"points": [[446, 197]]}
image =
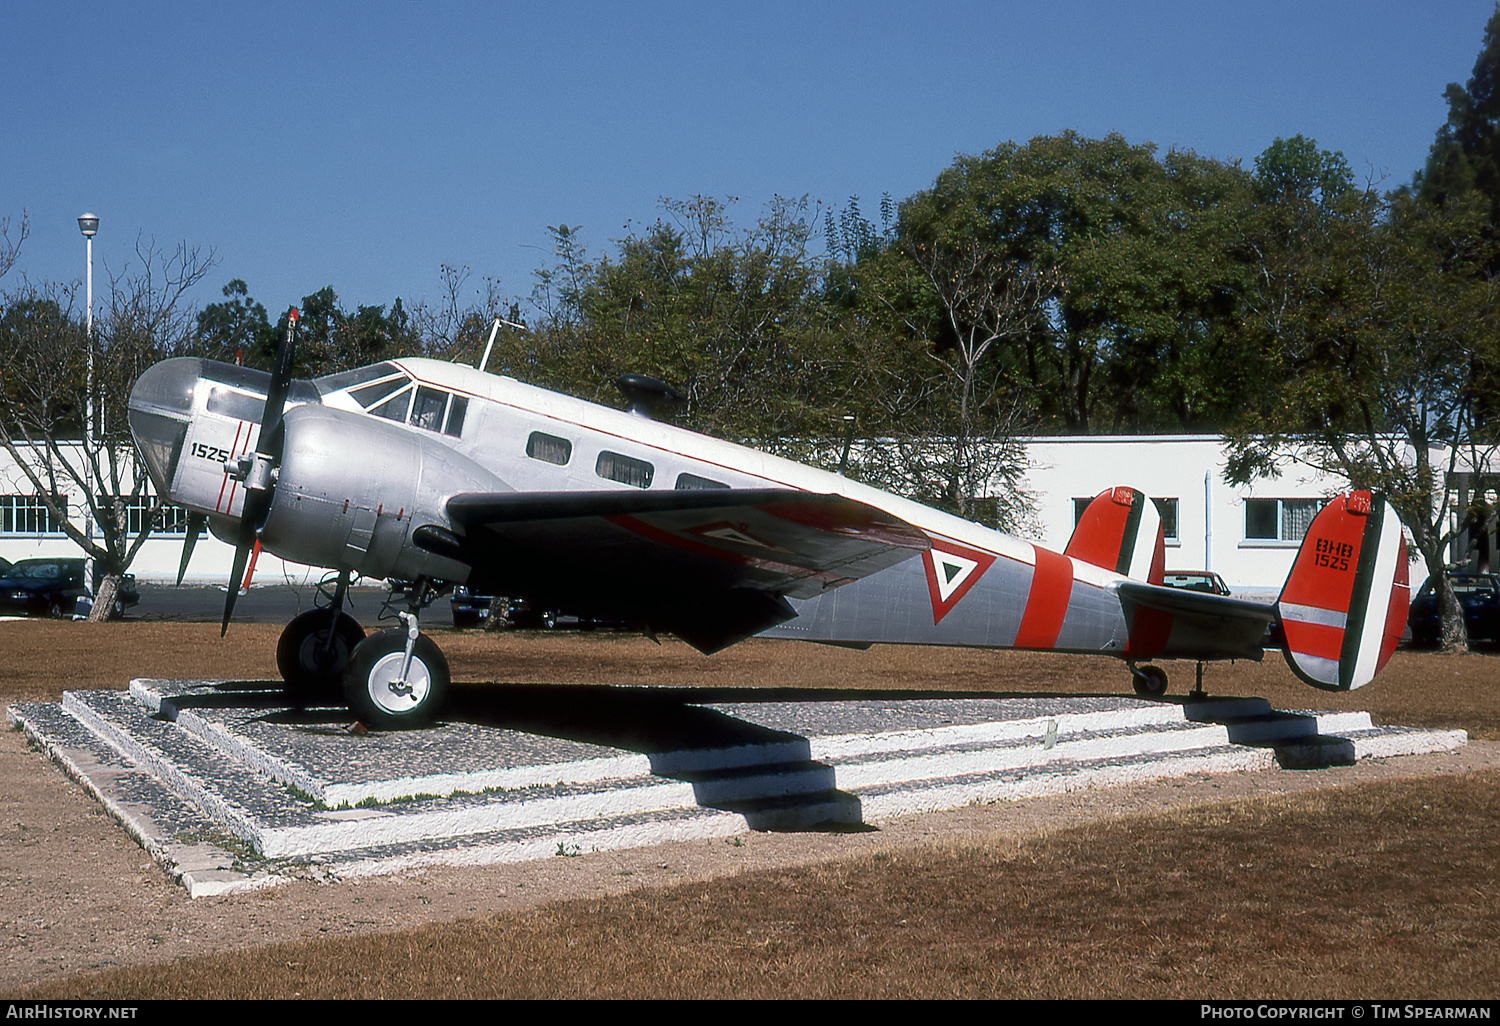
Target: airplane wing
{"points": [[713, 566], [1173, 623]]}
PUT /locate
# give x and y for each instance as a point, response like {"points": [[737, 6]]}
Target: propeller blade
{"points": [[258, 500], [195, 522], [241, 556], [281, 379]]}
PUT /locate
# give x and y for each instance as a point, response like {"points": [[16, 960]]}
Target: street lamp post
{"points": [[89, 224]]}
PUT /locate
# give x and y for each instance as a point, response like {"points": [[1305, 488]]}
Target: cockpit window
{"points": [[394, 408], [456, 411], [231, 402], [373, 395], [428, 411], [351, 378]]}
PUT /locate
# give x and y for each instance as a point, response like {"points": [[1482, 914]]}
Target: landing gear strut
{"points": [[398, 679]]}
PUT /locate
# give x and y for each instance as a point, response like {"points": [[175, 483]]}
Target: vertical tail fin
{"points": [[1121, 531], [1343, 606]]}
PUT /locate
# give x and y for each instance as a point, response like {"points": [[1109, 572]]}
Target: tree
{"points": [[1141, 265], [54, 374], [10, 248], [722, 312], [1465, 156], [236, 328], [1375, 317], [976, 299]]}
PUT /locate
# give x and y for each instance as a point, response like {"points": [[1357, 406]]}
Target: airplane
{"points": [[440, 474]]}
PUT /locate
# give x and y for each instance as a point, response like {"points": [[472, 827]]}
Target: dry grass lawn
{"points": [[1377, 891]]}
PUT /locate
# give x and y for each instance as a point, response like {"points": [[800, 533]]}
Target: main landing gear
{"points": [[391, 680], [1149, 681]]}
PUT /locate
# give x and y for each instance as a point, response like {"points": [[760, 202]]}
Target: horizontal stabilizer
{"points": [[1121, 531], [1173, 623], [1343, 607]]}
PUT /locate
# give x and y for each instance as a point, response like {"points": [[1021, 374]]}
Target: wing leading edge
{"points": [[713, 567]]}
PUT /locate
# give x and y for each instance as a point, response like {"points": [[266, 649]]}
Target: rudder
{"points": [[1343, 607], [1121, 531]]}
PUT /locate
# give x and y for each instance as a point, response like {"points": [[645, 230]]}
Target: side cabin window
{"points": [[625, 469], [694, 483], [549, 448]]}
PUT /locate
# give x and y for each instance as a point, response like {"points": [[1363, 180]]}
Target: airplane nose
{"points": [[161, 404]]}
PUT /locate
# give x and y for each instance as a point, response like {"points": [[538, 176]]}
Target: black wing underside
{"points": [[713, 567]]}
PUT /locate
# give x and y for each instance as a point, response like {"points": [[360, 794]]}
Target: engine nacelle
{"points": [[332, 465]]}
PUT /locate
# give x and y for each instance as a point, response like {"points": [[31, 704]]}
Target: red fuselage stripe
{"points": [[1047, 602]]}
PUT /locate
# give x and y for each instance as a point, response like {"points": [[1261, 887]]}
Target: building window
{"points": [[625, 469], [1283, 520], [1165, 508], [549, 448], [28, 514], [168, 520]]}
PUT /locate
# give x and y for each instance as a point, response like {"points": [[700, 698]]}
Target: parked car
{"points": [[51, 587], [1196, 580], [1478, 594]]}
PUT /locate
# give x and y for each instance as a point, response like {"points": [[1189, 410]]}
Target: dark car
{"points": [[471, 610], [1478, 594], [1196, 580], [51, 587]]}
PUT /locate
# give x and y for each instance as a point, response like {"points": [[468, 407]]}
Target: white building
{"points": [[1249, 535]]}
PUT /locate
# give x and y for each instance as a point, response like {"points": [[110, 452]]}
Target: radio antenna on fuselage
{"points": [[495, 330]]}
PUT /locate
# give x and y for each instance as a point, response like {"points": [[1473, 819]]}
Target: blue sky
{"points": [[361, 145]]}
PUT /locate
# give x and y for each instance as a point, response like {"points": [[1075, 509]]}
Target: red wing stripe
{"points": [[1047, 602]]}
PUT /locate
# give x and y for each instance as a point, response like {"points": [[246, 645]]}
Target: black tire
{"points": [[313, 676], [368, 682], [1149, 681]]}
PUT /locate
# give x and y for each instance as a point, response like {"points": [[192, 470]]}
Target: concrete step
{"points": [[230, 789]]}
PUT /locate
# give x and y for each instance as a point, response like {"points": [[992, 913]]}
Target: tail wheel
{"points": [[1149, 681], [312, 663], [380, 698]]}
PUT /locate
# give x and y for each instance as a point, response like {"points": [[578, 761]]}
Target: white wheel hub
{"points": [[392, 694]]}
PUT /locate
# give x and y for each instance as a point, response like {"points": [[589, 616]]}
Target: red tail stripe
{"points": [[1315, 639]]}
